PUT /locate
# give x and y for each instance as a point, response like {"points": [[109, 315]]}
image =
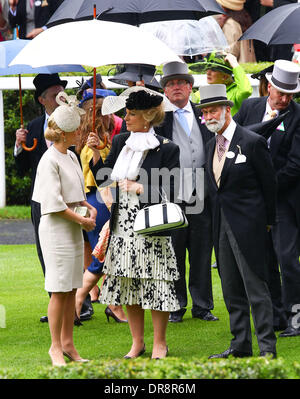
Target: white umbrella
{"points": [[189, 37], [94, 43]]}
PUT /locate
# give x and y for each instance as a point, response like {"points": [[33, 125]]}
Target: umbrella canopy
{"points": [[10, 48], [94, 43], [279, 26], [189, 37], [134, 12]]}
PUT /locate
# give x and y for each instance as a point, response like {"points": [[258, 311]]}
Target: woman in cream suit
{"points": [[59, 188]]}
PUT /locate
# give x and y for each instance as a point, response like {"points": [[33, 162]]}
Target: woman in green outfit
{"points": [[224, 69]]}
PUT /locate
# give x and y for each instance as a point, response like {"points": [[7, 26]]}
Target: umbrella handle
{"points": [[24, 146], [100, 147]]}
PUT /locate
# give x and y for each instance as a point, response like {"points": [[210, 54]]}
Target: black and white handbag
{"points": [[159, 217]]}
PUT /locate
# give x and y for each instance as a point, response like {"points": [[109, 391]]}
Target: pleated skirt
{"points": [[140, 270]]}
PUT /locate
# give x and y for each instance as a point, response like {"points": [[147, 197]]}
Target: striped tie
{"points": [[220, 146]]}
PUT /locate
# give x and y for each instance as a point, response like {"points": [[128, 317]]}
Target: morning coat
{"points": [[247, 195]]}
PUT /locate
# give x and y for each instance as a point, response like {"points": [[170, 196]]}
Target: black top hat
{"points": [[134, 73], [43, 81]]}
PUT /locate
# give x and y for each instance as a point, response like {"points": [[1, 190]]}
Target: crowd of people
{"points": [[245, 206]]}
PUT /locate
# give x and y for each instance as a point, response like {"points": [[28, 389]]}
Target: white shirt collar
{"points": [[229, 132], [187, 107]]}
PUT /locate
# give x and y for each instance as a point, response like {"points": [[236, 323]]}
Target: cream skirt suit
{"points": [[59, 184]]}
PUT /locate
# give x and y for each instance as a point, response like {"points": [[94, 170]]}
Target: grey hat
{"points": [[175, 70], [213, 94], [285, 76]]}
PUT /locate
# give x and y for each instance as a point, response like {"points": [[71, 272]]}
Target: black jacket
{"points": [[29, 160], [247, 195], [284, 147], [166, 155]]}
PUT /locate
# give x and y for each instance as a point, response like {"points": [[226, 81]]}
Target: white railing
{"points": [[12, 83]]}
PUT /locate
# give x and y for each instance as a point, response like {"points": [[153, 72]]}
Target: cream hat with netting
{"points": [[67, 114]]}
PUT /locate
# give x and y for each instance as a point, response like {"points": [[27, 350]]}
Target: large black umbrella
{"points": [[279, 26], [134, 12]]}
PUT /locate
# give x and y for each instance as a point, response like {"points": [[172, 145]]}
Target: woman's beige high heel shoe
{"points": [[80, 360], [54, 363]]}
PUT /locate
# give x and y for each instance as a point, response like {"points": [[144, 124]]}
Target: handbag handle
{"points": [[164, 196]]}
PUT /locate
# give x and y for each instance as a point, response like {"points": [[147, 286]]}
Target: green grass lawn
{"points": [[24, 342], [15, 212]]}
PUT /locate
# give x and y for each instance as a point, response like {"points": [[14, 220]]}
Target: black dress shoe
{"points": [[205, 315], [176, 317], [44, 319], [87, 305], [270, 354], [87, 315], [230, 352], [279, 327], [290, 332]]}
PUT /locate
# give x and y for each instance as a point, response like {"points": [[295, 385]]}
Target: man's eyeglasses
{"points": [[179, 83]]}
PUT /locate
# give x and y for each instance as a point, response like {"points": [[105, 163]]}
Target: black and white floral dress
{"points": [[140, 270]]}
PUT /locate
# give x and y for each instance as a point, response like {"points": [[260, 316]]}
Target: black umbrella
{"points": [[268, 127], [279, 26], [134, 12]]}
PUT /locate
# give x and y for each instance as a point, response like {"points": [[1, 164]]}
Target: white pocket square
{"points": [[241, 158]]}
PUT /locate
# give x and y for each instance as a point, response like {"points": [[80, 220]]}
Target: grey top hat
{"points": [[213, 94], [285, 76], [175, 70], [134, 73]]}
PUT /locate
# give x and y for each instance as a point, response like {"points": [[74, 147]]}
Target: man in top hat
{"points": [[242, 186], [284, 147], [183, 126]]}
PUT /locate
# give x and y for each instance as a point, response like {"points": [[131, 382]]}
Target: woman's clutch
{"points": [[101, 247], [82, 211]]}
